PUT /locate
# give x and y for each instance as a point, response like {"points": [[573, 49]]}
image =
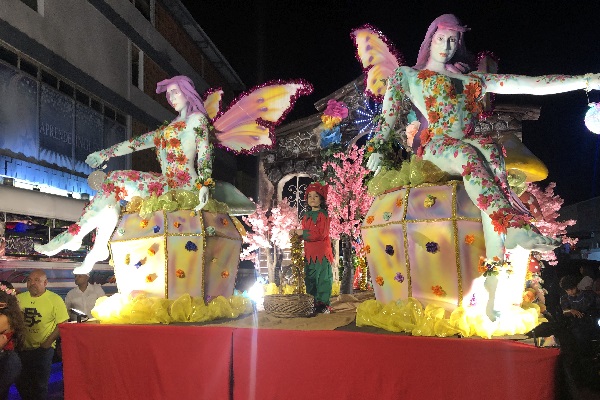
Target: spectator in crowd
{"points": [[43, 311], [587, 281], [582, 309], [83, 297], [12, 331]]}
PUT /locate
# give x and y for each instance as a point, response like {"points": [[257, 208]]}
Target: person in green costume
{"points": [[317, 247]]}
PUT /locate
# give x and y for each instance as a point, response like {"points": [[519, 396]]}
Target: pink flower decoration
{"points": [[74, 229], [336, 109]]}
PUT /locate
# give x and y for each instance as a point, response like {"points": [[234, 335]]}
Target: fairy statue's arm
{"points": [[204, 147], [538, 85], [392, 102], [142, 142], [204, 150]]}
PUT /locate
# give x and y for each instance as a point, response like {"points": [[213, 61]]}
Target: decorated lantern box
{"points": [[172, 253], [425, 242]]}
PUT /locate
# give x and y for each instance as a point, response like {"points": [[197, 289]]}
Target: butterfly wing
{"points": [[249, 123], [212, 102], [378, 57]]}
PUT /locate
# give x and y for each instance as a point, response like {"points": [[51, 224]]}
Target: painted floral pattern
{"points": [[451, 106], [176, 145]]}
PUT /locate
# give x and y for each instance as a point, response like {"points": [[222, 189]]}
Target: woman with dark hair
{"points": [[451, 102], [12, 334]]}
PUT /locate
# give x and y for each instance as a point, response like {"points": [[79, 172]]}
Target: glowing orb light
{"points": [[592, 118]]}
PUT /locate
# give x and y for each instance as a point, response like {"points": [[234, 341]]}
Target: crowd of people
{"points": [[29, 330]]}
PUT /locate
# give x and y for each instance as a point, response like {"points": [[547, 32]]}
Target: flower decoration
{"points": [[140, 263], [74, 229], [7, 290], [389, 250], [438, 291], [191, 246], [331, 136], [399, 202], [429, 201], [379, 280], [192, 213], [179, 273], [469, 239], [494, 266], [473, 301], [335, 112], [399, 277], [143, 223], [123, 203], [214, 260], [370, 219], [210, 231], [432, 247], [199, 183], [156, 228], [224, 221], [387, 215], [367, 249], [151, 278], [121, 231], [176, 224], [127, 259], [225, 274]]}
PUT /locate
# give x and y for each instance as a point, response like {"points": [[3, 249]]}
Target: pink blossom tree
{"points": [[270, 232], [547, 207], [347, 202]]}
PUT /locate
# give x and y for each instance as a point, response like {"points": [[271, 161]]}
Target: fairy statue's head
{"points": [[446, 22], [186, 86]]}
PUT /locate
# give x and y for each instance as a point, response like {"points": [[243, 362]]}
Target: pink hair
{"points": [[446, 21], [186, 86]]}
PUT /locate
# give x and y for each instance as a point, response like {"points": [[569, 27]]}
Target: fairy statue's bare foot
{"points": [[98, 253], [64, 241], [529, 240]]}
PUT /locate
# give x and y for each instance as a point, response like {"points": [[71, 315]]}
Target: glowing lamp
{"points": [[592, 118]]}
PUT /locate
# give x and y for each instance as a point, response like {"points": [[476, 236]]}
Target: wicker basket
{"points": [[289, 305]]}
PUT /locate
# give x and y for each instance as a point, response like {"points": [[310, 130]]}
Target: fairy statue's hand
{"points": [[95, 160], [202, 198], [374, 162], [592, 81]]}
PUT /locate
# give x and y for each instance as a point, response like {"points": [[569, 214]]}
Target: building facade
{"points": [[77, 76]]}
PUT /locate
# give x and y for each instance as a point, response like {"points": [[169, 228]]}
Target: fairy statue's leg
{"points": [[119, 185], [72, 238]]}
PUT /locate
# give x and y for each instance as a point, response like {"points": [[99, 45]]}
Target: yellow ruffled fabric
{"points": [[171, 201], [409, 316], [121, 309]]}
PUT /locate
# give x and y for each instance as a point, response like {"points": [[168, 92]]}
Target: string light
{"points": [[367, 114]]}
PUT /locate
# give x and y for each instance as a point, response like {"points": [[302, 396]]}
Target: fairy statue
{"points": [[184, 149], [449, 99]]}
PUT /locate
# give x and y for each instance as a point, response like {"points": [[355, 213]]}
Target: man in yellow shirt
{"points": [[43, 311]]}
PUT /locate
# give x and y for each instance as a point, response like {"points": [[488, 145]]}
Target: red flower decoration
{"points": [[179, 273], [379, 280], [225, 274], [74, 229]]}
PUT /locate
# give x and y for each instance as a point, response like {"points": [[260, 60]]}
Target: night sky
{"points": [[264, 40]]}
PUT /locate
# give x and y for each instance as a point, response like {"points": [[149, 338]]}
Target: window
{"points": [[137, 67], [33, 4], [28, 67], [292, 188], [145, 7], [9, 56], [49, 79]]}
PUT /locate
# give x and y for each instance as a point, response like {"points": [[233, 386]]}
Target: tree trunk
{"points": [[273, 274], [346, 284], [277, 261]]}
